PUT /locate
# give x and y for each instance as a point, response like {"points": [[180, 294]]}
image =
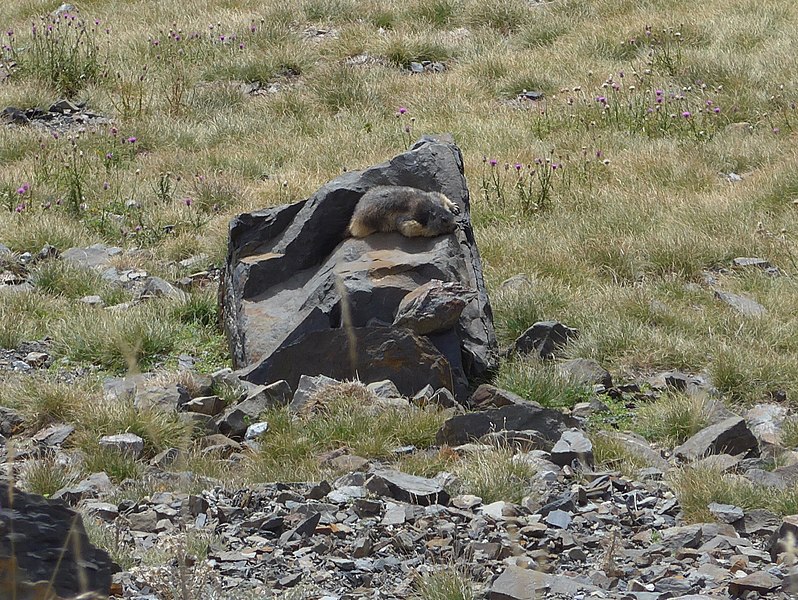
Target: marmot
{"points": [[410, 211]]}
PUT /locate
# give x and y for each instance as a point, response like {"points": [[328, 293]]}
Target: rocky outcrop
{"points": [[292, 276]]}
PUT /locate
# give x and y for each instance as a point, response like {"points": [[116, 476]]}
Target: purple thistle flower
{"points": [[402, 110], [687, 114], [131, 140], [188, 201], [20, 207], [658, 92], [518, 166], [716, 110], [601, 99], [493, 162]]}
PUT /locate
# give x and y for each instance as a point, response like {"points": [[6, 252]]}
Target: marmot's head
{"points": [[438, 219]]}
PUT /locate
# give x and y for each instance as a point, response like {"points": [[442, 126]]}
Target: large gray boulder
{"points": [[291, 273]]}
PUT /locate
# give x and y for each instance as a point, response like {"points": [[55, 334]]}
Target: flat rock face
{"points": [[291, 271], [49, 543], [368, 353]]}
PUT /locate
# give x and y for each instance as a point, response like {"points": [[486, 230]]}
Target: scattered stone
{"points": [[765, 422], [126, 443], [726, 513], [730, 436], [759, 263], [573, 446], [433, 307], [54, 435], [760, 582], [155, 287], [256, 430], [94, 486], [585, 371], [461, 429], [233, 422], [205, 405], [742, 304], [406, 488], [384, 389], [545, 338]]}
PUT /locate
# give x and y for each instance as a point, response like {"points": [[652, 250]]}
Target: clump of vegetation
{"points": [[444, 584], [344, 415], [697, 487], [540, 382], [495, 474], [673, 418]]}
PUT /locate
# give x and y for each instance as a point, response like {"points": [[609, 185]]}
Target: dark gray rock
{"points": [[406, 488], [48, 542], [233, 422], [461, 429], [585, 371], [573, 445], [155, 287], [726, 513], [93, 486], [125, 443], [291, 272], [544, 338], [169, 396], [760, 582], [730, 436], [306, 388], [365, 353], [489, 396], [765, 422], [433, 307]]}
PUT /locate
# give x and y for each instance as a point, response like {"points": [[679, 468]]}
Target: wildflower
{"points": [[493, 162], [131, 140], [601, 99], [402, 110], [555, 166], [241, 46], [106, 185], [605, 162], [114, 131], [55, 135], [716, 110], [518, 166], [776, 130], [658, 92], [188, 201], [20, 207], [687, 114], [109, 156]]}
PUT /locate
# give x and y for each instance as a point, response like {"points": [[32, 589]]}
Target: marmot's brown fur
{"points": [[410, 211]]}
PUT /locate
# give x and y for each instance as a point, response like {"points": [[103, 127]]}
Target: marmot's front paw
{"points": [[454, 208]]}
